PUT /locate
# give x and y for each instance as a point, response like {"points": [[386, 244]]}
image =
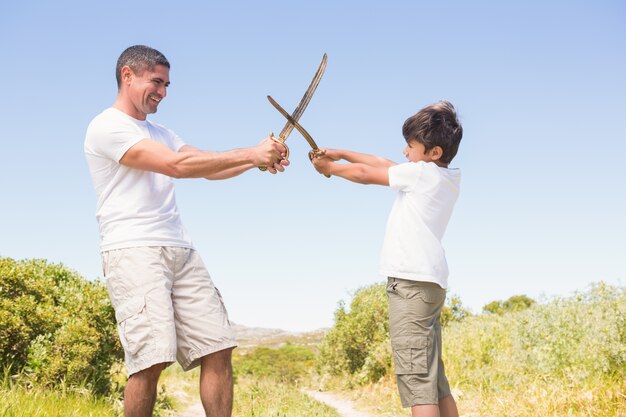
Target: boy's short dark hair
{"points": [[139, 58], [435, 125]]}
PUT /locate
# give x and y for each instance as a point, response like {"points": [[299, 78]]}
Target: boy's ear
{"points": [[435, 153]]}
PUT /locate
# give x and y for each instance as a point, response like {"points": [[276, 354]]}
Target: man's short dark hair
{"points": [[139, 58], [435, 125]]}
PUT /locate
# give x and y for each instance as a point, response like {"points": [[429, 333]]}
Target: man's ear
{"points": [[127, 74], [435, 153]]}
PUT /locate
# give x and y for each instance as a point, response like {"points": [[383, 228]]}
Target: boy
{"points": [[412, 256]]}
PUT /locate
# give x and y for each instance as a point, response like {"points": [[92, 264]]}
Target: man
{"points": [[166, 305]]}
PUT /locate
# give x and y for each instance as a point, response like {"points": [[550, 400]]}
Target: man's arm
{"points": [[150, 155], [225, 174]]}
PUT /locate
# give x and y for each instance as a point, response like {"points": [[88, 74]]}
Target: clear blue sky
{"points": [[540, 88]]}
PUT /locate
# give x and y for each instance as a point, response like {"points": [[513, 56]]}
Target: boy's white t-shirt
{"points": [[412, 247], [135, 207]]}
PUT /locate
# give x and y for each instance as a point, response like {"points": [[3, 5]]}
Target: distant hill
{"points": [[250, 337]]}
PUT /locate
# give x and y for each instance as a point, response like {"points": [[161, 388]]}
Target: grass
{"points": [[565, 357], [17, 401], [255, 396], [266, 398]]}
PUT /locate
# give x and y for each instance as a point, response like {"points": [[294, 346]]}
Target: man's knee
{"points": [[219, 359], [151, 373]]}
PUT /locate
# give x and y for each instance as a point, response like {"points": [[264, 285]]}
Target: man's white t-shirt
{"points": [[135, 207], [412, 247]]}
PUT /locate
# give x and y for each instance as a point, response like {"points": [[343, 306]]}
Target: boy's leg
{"points": [[216, 383], [425, 410], [141, 391], [447, 407], [414, 314]]}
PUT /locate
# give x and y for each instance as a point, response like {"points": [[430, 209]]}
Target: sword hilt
{"points": [[275, 139], [317, 152]]}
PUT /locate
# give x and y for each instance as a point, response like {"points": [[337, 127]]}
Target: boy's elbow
{"points": [[368, 175], [362, 176]]}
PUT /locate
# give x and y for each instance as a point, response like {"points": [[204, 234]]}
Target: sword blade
{"points": [[294, 123], [306, 98]]}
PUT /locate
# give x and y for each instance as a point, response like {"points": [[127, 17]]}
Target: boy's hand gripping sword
{"points": [[284, 134]]}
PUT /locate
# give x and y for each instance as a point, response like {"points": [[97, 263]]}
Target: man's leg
{"points": [[216, 384], [141, 391]]}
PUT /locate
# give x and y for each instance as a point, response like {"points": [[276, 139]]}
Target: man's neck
{"points": [[126, 107]]}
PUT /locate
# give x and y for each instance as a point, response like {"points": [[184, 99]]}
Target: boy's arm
{"points": [[358, 172], [356, 157]]}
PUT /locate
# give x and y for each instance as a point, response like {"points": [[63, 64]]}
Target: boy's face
{"points": [[416, 151]]}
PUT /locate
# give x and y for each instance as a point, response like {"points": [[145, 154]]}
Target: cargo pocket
{"points": [[132, 324], [410, 355], [432, 295]]}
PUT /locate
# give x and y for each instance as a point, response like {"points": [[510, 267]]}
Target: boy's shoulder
{"points": [[417, 168], [415, 175]]}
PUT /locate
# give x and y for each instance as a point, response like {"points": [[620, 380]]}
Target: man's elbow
{"points": [[176, 170], [181, 166]]}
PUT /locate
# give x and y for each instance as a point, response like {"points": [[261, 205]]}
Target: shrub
{"points": [[56, 326], [572, 340], [286, 364], [454, 310], [356, 343], [513, 304]]}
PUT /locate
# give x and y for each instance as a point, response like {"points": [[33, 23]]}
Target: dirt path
{"points": [[194, 410], [193, 406], [344, 407]]}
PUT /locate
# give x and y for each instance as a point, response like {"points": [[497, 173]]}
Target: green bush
{"points": [[56, 326], [358, 344], [453, 311], [513, 304], [287, 364], [572, 340]]}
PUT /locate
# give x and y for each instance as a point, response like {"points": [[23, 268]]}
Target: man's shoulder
{"points": [[104, 118], [159, 127], [112, 114], [163, 133]]}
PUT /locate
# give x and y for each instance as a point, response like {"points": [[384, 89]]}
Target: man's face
{"points": [[147, 89]]}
